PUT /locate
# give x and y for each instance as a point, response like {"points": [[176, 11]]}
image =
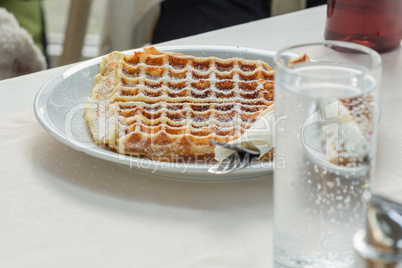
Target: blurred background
{"points": [[77, 30], [56, 19], [125, 24]]}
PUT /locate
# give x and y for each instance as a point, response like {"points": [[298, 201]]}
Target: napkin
{"points": [[345, 141], [259, 137], [338, 133]]}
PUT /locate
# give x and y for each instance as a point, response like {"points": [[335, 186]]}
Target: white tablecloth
{"points": [[62, 208]]}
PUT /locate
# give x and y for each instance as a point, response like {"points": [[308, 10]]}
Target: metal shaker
{"points": [[380, 244]]}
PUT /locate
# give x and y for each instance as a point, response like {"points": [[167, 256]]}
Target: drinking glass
{"points": [[326, 116]]}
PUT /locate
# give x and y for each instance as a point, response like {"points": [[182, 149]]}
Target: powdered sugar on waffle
{"points": [[168, 106]]}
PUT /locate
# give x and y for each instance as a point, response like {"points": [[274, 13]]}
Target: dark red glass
{"points": [[373, 23]]}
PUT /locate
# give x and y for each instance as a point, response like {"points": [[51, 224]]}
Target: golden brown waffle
{"points": [[168, 106]]}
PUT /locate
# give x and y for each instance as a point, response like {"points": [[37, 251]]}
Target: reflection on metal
{"points": [[380, 245]]}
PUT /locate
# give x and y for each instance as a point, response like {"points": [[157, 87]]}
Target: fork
{"points": [[238, 160]]}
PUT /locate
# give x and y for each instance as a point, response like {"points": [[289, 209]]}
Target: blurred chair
{"points": [[129, 24], [75, 32], [126, 24]]}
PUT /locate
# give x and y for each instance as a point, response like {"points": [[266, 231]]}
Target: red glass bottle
{"points": [[373, 23]]}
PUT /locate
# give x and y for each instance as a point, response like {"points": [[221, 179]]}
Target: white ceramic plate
{"points": [[59, 109]]}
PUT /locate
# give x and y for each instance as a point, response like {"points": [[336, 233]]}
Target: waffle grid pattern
{"points": [[168, 106]]}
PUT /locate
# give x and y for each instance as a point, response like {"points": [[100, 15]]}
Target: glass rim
{"points": [[377, 60]]}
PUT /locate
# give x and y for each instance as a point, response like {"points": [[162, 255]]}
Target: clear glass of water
{"points": [[327, 113]]}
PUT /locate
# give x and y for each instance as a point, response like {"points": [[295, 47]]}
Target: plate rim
{"points": [[151, 165]]}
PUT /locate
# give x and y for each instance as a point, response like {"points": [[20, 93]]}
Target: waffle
{"points": [[167, 106]]}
